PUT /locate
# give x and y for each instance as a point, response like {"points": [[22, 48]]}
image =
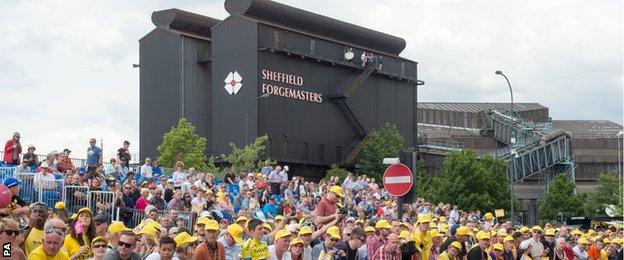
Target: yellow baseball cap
{"points": [[550, 232], [488, 216], [583, 240], [424, 218], [202, 221], [538, 228], [184, 238], [456, 244], [435, 233], [382, 223], [241, 218], [576, 232], [268, 226], [463, 231], [359, 221], [148, 230], [442, 219], [524, 229], [85, 209], [282, 233], [508, 239], [606, 241], [337, 190], [432, 225], [404, 234], [369, 229], [99, 239], [498, 246], [296, 241], [482, 235], [333, 232], [236, 231], [212, 225], [278, 218], [59, 205], [305, 230], [117, 227], [501, 232]]}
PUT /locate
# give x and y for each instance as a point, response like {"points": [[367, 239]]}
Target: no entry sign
{"points": [[397, 179]]}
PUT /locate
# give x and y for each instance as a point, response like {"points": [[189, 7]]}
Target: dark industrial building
{"points": [[321, 100]]}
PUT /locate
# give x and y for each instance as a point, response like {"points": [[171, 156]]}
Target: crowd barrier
{"points": [[132, 217], [102, 201]]}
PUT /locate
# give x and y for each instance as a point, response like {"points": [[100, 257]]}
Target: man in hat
{"points": [[280, 248], [101, 222], [479, 250], [326, 208], [114, 232], [231, 241], [270, 209], [12, 150], [423, 237], [452, 252], [30, 157], [460, 234], [210, 248], [325, 250], [382, 230], [535, 242]]}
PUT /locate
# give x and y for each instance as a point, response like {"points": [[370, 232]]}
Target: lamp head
{"points": [[265, 95], [498, 72]]}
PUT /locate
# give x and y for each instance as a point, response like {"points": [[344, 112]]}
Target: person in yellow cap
{"points": [[254, 247], [60, 211], [488, 221], [382, 230], [185, 246], [81, 232], [148, 237], [210, 248], [497, 251], [549, 242], [461, 234], [279, 250], [422, 237], [200, 228], [231, 241], [452, 252], [536, 248], [509, 249], [114, 231], [580, 250], [296, 249], [436, 241], [479, 250], [324, 250], [327, 207], [99, 247]]}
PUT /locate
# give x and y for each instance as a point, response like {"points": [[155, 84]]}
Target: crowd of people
{"points": [[265, 214]]}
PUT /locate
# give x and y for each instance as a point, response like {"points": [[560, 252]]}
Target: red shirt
{"points": [[141, 204], [326, 208]]}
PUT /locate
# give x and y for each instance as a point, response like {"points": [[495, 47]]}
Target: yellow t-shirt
{"points": [[423, 243], [603, 255], [255, 249], [39, 254], [445, 256], [72, 246], [33, 240]]}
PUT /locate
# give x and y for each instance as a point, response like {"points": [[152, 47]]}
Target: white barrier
{"points": [[49, 191], [7, 172], [27, 191], [76, 197]]}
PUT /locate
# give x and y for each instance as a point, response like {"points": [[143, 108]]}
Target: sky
{"points": [[66, 70]]}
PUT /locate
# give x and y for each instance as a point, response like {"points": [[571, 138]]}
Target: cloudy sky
{"points": [[66, 66]]}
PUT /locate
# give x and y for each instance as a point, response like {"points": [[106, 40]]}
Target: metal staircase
{"points": [[340, 101], [536, 148]]}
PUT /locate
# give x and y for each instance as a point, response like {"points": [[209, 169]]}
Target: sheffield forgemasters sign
{"points": [[286, 85]]}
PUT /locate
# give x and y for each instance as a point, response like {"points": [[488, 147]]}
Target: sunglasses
{"points": [[126, 245], [335, 240], [55, 231], [99, 245], [11, 232], [127, 188]]}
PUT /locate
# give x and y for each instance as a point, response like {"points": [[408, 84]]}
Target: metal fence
{"points": [[102, 201], [132, 217]]}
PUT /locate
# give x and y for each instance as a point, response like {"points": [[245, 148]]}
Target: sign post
{"points": [[398, 180]]}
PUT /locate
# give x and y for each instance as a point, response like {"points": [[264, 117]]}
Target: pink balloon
{"points": [[5, 196]]}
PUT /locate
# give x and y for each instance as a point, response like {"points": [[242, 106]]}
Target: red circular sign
{"points": [[398, 179]]}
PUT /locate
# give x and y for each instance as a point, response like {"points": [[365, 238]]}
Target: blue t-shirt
{"points": [[93, 155]]}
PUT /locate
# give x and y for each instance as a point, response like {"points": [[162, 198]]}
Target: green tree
{"points": [[335, 170], [425, 183], [183, 144], [472, 184], [382, 143], [246, 158], [561, 198], [608, 192]]}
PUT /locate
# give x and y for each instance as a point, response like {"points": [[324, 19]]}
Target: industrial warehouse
{"points": [[303, 80]]}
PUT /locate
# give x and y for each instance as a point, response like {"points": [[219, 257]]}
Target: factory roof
{"points": [[588, 128], [478, 107]]}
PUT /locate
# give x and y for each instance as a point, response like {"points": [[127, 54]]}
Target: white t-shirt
{"points": [[577, 252], [179, 178], [146, 171], [273, 256]]}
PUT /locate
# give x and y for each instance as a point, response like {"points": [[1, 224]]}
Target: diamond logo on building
{"points": [[233, 83]]}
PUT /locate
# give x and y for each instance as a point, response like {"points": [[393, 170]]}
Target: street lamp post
{"points": [[247, 113], [513, 152], [498, 72], [619, 140]]}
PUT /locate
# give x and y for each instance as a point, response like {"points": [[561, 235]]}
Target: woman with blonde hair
{"points": [[142, 202], [9, 232], [149, 236]]}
